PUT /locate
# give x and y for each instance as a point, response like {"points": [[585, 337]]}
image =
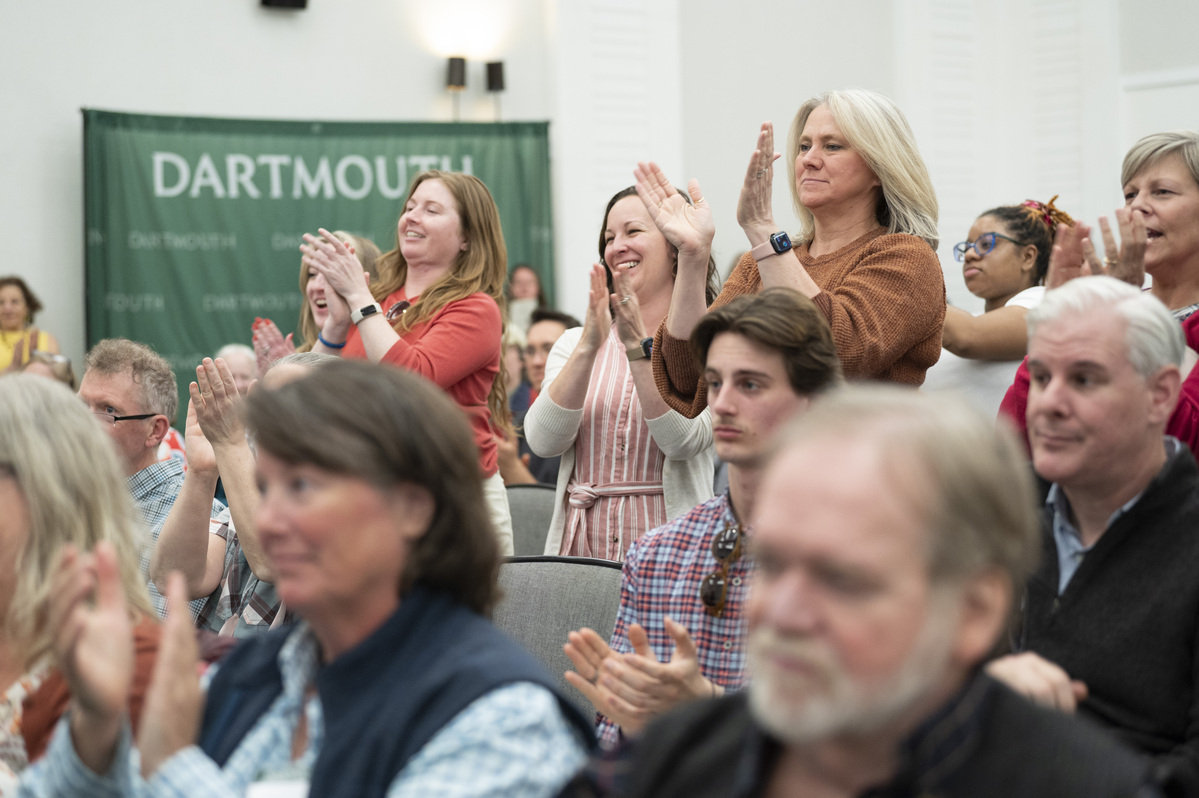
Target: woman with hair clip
{"points": [[60, 487], [269, 343], [392, 684], [629, 462], [437, 308], [1004, 260], [864, 254]]}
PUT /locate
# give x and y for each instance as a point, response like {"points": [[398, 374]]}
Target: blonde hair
{"points": [[367, 254], [1152, 148], [481, 267], [878, 131], [68, 472]]}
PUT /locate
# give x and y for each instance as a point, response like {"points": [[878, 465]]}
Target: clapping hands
{"points": [[1074, 255]]}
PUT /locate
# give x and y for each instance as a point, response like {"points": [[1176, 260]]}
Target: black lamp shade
{"points": [[495, 76], [456, 77]]}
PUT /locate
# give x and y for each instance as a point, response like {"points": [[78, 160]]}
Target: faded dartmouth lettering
{"points": [[352, 176], [253, 302], [135, 303], [168, 239]]}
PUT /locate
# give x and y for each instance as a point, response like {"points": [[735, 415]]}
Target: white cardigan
{"points": [[551, 429]]}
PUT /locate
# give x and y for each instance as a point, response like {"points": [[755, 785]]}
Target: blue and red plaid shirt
{"points": [[661, 577]]}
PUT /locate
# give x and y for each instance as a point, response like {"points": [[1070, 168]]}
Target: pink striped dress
{"points": [[615, 493]]}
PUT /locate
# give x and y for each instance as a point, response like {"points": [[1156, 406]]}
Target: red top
{"points": [[1183, 424], [458, 349], [42, 709]]}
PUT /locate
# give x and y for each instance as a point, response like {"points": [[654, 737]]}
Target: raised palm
{"points": [[686, 225]]}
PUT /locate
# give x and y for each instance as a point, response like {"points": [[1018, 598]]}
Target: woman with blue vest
{"points": [[392, 684]]}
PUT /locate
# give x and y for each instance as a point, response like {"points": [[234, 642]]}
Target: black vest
{"points": [[382, 700]]}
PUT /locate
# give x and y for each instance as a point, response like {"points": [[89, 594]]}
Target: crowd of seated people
{"points": [[899, 592]]}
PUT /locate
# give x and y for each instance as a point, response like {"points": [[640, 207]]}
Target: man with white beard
{"points": [[892, 532]]}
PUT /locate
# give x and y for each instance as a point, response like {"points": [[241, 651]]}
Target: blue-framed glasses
{"points": [[982, 245]]}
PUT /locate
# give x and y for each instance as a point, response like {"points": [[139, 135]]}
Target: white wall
{"points": [[1003, 109], [616, 72], [743, 65], [1159, 67], [339, 59]]}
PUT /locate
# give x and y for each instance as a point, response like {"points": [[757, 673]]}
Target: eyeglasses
{"points": [[111, 419], [714, 590], [982, 245]]}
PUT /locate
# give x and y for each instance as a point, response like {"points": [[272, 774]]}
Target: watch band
{"points": [[777, 244], [641, 350], [370, 310]]}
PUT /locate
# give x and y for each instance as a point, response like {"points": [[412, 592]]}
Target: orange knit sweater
{"points": [[883, 296]]}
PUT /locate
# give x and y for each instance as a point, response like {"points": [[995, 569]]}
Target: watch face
{"points": [[647, 346], [781, 242]]}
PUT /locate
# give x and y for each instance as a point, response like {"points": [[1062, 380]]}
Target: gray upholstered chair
{"points": [[532, 507], [545, 598]]}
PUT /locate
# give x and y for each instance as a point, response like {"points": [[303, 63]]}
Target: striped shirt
{"points": [[661, 577], [615, 493]]}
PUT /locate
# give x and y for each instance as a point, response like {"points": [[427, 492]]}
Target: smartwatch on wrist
{"points": [[777, 244], [370, 310], [641, 350]]}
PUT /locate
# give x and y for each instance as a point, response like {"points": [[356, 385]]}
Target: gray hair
{"points": [[1154, 339], [239, 349], [69, 473], [305, 359], [1155, 146], [150, 370], [970, 479], [876, 129]]}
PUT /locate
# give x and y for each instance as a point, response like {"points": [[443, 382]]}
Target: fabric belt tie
{"points": [[584, 495]]}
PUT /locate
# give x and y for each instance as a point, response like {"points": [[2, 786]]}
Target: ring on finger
{"points": [[761, 172], [1110, 262], [624, 301]]}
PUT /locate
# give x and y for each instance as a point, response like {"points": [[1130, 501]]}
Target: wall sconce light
{"points": [[495, 83], [456, 76], [455, 84], [495, 76]]}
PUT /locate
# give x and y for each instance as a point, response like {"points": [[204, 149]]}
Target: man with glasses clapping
{"points": [[131, 390]]}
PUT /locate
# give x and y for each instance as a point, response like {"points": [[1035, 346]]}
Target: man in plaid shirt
{"points": [[680, 631], [131, 390]]}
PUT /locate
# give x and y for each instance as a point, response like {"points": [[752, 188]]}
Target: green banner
{"points": [[194, 224]]}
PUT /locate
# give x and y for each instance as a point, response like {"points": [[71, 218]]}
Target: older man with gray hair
{"points": [[894, 532], [1110, 622]]}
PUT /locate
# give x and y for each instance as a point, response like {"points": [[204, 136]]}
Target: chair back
{"points": [[532, 508], [545, 598]]}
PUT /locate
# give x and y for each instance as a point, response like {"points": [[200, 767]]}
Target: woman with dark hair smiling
{"points": [[393, 683], [629, 462], [18, 337]]}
